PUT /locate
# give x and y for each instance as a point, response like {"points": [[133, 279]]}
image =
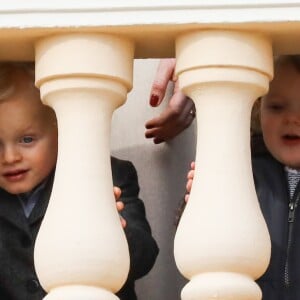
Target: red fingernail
{"points": [[154, 100]]}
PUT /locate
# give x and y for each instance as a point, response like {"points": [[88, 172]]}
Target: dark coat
{"points": [[18, 280], [282, 278]]}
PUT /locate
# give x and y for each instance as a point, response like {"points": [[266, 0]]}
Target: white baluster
{"points": [[222, 243], [81, 250]]}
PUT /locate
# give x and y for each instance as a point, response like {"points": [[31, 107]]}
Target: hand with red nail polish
{"points": [[180, 111]]}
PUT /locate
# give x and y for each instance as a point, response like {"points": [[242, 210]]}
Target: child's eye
{"points": [[275, 107], [26, 140]]}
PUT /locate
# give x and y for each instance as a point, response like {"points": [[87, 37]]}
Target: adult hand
{"points": [[119, 205], [180, 111]]}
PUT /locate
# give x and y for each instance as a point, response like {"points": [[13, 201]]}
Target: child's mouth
{"points": [[291, 139], [15, 175]]}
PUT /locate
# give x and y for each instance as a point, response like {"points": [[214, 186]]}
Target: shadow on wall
{"points": [[162, 173]]}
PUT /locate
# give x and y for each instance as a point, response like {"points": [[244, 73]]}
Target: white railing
{"points": [[224, 62]]}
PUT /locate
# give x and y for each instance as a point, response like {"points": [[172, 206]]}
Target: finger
{"points": [[190, 174], [186, 197], [163, 75], [149, 134], [157, 121], [155, 132], [117, 192], [158, 140], [152, 123], [161, 133], [120, 206], [123, 222], [158, 133], [193, 164], [189, 185]]}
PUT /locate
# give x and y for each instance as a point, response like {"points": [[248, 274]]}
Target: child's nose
{"points": [[293, 117], [11, 155]]}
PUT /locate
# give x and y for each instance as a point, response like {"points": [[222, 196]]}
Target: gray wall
{"points": [[162, 176]]}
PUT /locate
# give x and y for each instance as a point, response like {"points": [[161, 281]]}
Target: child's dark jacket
{"points": [[282, 278], [18, 280]]}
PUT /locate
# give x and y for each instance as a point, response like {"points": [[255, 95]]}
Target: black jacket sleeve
{"points": [[142, 246]]}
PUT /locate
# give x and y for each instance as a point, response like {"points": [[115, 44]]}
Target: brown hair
{"points": [[255, 127], [7, 75], [294, 60], [8, 83]]}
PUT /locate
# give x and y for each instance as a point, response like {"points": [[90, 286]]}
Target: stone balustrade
{"points": [[224, 52]]}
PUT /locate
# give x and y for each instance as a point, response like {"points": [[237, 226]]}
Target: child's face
{"points": [[28, 139], [280, 116]]}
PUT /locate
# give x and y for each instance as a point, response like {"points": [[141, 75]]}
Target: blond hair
{"points": [[9, 74], [8, 70]]}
